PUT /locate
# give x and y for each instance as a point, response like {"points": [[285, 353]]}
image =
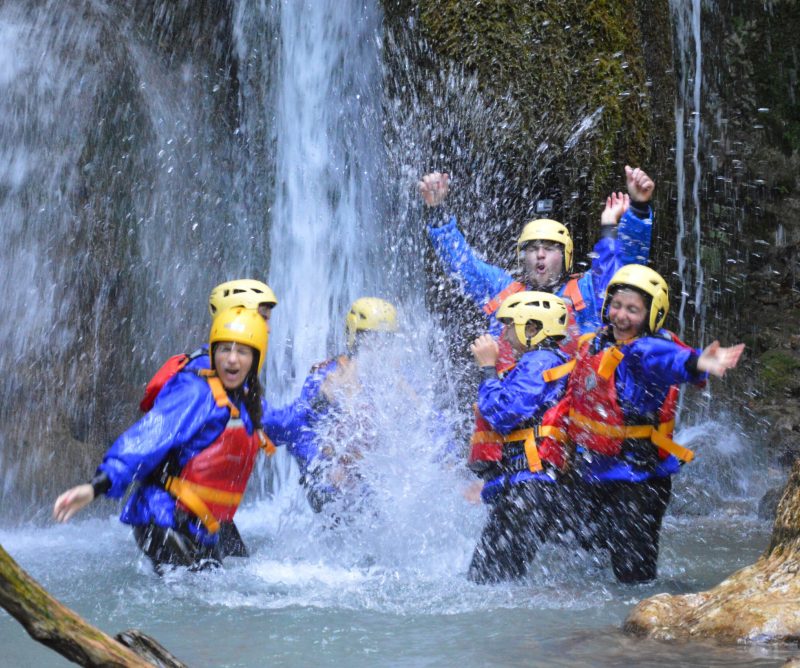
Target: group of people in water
{"points": [[573, 418]]}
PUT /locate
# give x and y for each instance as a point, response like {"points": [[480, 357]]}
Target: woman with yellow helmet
{"points": [[619, 415], [192, 453]]}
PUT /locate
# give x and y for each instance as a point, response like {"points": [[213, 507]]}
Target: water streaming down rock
{"points": [[686, 16]]}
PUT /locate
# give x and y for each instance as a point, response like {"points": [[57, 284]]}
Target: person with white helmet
{"points": [[618, 416], [545, 248], [512, 449], [192, 453]]}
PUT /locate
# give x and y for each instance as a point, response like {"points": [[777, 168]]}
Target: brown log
{"points": [[759, 603], [53, 624]]}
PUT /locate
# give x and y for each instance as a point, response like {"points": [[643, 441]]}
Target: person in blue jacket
{"points": [[246, 293], [191, 454], [508, 448], [619, 418], [546, 250], [329, 397]]}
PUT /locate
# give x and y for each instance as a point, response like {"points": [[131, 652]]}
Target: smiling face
{"points": [[233, 362], [544, 263], [626, 313]]}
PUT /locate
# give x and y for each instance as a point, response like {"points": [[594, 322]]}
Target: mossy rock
{"points": [[571, 74], [779, 372]]}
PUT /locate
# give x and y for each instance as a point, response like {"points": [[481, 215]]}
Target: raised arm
{"points": [[479, 280]]}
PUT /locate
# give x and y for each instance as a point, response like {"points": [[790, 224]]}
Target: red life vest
{"points": [[573, 300], [212, 482], [543, 441], [596, 420]]}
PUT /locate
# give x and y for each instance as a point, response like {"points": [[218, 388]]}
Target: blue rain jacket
{"points": [[482, 281], [650, 366], [184, 420], [521, 395], [277, 423]]}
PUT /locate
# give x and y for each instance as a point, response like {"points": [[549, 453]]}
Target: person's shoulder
{"points": [[541, 358], [187, 384], [198, 359]]}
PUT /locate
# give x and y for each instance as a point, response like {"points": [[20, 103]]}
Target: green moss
{"points": [[778, 370], [558, 61]]}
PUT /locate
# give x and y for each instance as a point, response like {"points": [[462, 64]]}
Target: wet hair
{"points": [[253, 393]]}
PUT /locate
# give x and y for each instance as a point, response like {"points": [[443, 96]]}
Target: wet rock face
{"points": [[755, 604], [578, 88]]}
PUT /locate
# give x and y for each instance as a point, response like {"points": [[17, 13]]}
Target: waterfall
{"points": [[689, 54]]}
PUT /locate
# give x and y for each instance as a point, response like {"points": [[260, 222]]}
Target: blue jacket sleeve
{"points": [[522, 394], [293, 425], [634, 235], [185, 416], [480, 280], [663, 362], [282, 424]]}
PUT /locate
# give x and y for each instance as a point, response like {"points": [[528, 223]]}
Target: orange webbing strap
{"points": [[265, 443], [658, 436], [609, 363], [194, 497], [493, 304], [549, 431], [219, 392], [526, 435], [531, 451], [573, 291], [558, 371], [486, 437], [661, 440]]}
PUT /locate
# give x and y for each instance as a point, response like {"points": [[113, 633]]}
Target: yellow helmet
{"points": [[244, 292], [647, 281], [544, 229], [369, 314], [543, 308], [240, 325]]}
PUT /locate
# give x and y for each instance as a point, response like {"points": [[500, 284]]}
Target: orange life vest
{"points": [[541, 440], [573, 299], [212, 483], [595, 419]]}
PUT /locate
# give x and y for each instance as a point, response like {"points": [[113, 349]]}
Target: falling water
{"points": [[688, 248]]}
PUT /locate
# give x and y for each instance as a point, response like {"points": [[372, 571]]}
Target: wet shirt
{"points": [[512, 402]]}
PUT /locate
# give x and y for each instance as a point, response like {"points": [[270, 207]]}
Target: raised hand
{"points": [[485, 350], [640, 185], [434, 187], [716, 360], [616, 205]]}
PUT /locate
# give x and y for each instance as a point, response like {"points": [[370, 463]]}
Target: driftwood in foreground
{"points": [[759, 603], [53, 624]]}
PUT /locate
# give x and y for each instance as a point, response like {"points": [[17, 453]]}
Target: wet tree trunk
{"points": [[52, 624], [759, 603]]}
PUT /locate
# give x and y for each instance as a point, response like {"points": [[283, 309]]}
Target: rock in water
{"points": [[759, 603]]}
